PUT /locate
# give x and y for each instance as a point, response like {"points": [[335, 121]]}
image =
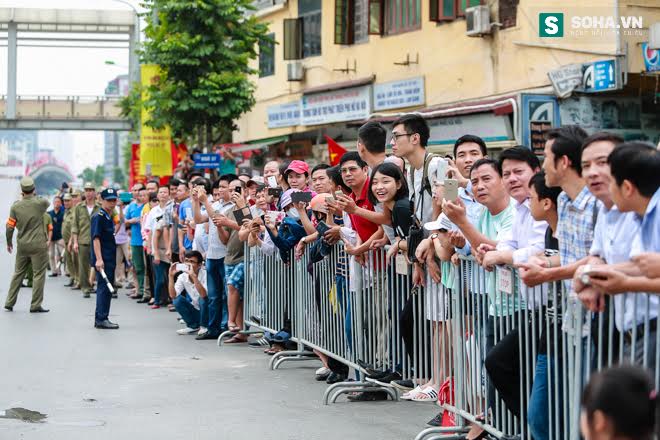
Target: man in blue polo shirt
{"points": [[133, 215]]}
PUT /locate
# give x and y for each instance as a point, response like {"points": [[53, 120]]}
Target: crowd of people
{"points": [[586, 216]]}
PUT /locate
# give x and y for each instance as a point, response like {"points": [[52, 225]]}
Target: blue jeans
{"points": [[344, 299], [217, 296], [160, 275], [538, 412], [187, 311]]}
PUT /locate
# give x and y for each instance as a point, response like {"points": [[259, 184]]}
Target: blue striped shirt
{"points": [[575, 227]]}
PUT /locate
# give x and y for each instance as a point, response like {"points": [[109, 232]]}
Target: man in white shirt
{"points": [[526, 236], [186, 292], [159, 242]]}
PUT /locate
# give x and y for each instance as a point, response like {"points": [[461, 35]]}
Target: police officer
{"points": [[27, 215], [71, 263], [82, 217], [104, 256]]}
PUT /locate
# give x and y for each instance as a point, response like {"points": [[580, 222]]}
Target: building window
{"points": [[507, 13], [351, 21], [267, 57], [447, 10], [402, 16], [302, 35]]}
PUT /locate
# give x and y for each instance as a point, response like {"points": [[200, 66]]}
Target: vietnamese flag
{"points": [[335, 151]]}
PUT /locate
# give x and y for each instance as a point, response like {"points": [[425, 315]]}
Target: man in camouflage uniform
{"points": [[27, 215], [71, 262], [80, 229]]}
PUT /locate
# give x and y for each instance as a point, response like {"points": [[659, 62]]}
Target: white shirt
{"points": [[526, 236], [89, 209], [183, 283], [613, 237], [216, 248], [427, 215]]}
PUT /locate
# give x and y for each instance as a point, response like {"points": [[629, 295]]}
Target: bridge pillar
{"points": [[12, 37]]}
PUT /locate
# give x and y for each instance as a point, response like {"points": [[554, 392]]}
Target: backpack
{"points": [[416, 234]]}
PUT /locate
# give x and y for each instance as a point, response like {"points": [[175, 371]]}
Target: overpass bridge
{"points": [[30, 27]]}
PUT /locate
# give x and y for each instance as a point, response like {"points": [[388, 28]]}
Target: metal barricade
{"points": [[271, 303], [512, 360]]}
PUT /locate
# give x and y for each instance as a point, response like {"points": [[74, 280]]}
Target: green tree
{"points": [[87, 175], [204, 48], [119, 177]]}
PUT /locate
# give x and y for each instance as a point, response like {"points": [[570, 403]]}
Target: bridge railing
{"points": [[64, 107]]}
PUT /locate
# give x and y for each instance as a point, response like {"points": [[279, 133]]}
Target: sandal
{"points": [[428, 394], [276, 348], [412, 393], [237, 339], [234, 328]]}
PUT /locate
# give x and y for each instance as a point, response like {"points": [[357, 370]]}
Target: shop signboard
{"points": [[206, 160], [284, 115], [336, 106], [398, 94], [651, 58]]}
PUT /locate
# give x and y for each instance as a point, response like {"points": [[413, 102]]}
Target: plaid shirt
{"points": [[575, 228]]}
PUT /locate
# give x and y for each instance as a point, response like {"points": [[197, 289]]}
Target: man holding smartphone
{"points": [[186, 292]]}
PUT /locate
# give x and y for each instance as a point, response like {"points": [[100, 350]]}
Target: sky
{"points": [[68, 71]]}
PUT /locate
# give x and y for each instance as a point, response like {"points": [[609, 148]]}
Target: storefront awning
{"points": [[259, 144]]}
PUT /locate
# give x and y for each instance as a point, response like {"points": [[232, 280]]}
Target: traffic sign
{"points": [[206, 160], [600, 76]]}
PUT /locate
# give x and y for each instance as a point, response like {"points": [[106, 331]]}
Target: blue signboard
{"points": [[206, 160], [398, 94], [600, 76]]}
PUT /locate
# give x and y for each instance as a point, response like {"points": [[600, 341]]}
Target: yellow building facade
{"points": [[348, 61]]}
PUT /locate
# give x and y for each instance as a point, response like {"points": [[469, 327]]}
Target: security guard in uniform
{"points": [[27, 215], [104, 256], [82, 220], [71, 263]]}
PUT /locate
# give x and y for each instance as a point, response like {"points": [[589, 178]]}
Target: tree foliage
{"points": [[96, 176], [204, 48]]}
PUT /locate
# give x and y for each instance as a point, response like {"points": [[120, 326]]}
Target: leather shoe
{"points": [[86, 295], [9, 308], [39, 310], [335, 378], [69, 284], [75, 287], [143, 300], [106, 325]]}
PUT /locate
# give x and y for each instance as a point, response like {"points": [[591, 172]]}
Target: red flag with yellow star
{"points": [[335, 151]]}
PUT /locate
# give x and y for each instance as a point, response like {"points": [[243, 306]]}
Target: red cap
{"points": [[298, 166]]}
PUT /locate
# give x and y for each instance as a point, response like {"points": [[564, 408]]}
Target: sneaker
{"points": [[187, 331], [369, 369], [367, 396], [436, 421], [385, 380], [259, 342], [323, 374], [403, 385], [322, 370], [202, 330], [412, 393]]}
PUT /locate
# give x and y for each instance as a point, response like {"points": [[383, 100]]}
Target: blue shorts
{"points": [[235, 276]]}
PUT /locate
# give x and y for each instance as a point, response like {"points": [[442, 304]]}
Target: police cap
{"points": [[109, 194]]}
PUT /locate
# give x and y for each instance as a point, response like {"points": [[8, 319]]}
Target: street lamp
{"points": [[134, 62]]}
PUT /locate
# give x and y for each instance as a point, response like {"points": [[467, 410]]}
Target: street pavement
{"points": [[145, 381]]}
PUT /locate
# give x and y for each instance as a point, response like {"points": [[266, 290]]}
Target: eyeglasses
{"points": [[396, 136], [348, 170]]}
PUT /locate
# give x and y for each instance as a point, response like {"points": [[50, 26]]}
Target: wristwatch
{"points": [[434, 236]]}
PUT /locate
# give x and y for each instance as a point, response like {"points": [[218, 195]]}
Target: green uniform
{"points": [[27, 216], [71, 261], [81, 226]]}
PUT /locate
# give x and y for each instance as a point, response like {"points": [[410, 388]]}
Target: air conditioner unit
{"points": [[477, 19], [295, 71]]}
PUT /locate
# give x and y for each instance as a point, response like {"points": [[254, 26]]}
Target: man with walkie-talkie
{"points": [[104, 250]]}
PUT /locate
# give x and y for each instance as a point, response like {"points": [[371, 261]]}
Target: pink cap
{"points": [[298, 166]]}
